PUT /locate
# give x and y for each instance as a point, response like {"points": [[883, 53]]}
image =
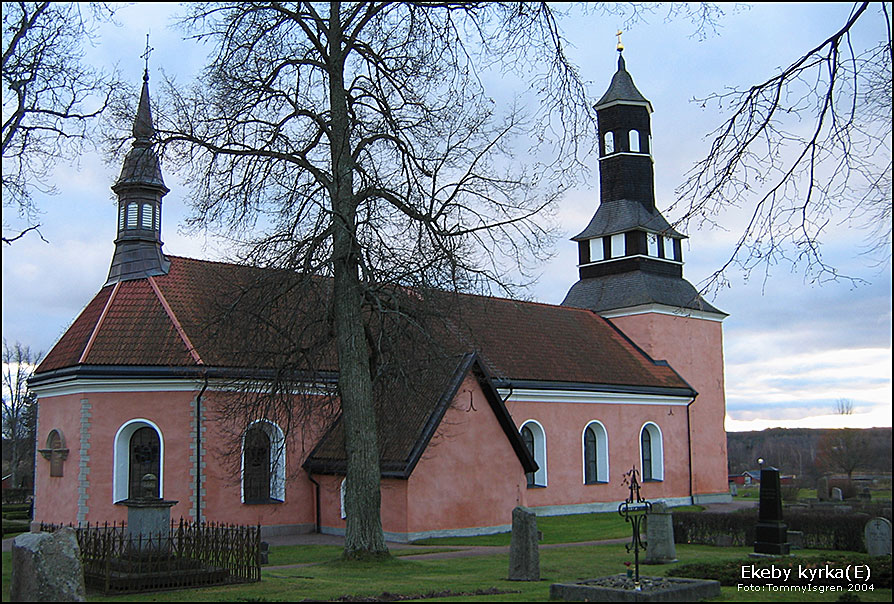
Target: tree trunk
{"points": [[364, 536]]}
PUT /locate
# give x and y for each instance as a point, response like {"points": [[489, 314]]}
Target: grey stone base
{"points": [[655, 589]]}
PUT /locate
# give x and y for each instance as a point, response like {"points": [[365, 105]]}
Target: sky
{"points": [[792, 348]]}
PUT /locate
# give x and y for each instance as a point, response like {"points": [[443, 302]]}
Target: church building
{"points": [[539, 405]]}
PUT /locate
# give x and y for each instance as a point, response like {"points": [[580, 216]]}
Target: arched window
{"points": [[595, 453], [139, 451], [263, 463], [256, 469], [651, 452], [145, 461], [146, 222], [341, 497], [132, 215], [609, 142], [634, 141], [535, 440]]}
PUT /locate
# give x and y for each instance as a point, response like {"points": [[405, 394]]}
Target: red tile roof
{"points": [[191, 318]]}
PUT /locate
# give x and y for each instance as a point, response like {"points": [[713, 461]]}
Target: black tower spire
{"points": [[629, 256], [140, 188]]}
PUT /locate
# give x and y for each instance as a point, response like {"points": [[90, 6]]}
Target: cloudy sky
{"points": [[792, 347]]}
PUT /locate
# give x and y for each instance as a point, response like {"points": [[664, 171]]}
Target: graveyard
{"points": [[571, 549]]}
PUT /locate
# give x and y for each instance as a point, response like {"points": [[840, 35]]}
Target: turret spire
{"points": [[140, 188]]}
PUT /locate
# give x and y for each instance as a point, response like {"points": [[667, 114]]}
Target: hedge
{"points": [[822, 529]]}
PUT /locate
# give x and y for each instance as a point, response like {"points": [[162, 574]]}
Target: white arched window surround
{"points": [[655, 456], [634, 141], [609, 143], [277, 459], [539, 450], [341, 497], [602, 465], [121, 476]]}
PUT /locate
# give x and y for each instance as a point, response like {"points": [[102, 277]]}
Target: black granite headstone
{"points": [[771, 533]]}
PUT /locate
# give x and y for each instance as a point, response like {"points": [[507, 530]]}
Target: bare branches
{"points": [[19, 407], [50, 98], [806, 147]]}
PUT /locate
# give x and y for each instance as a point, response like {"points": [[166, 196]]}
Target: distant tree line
{"points": [[810, 453]]}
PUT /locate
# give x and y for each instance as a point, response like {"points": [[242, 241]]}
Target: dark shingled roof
{"points": [[418, 419], [622, 88], [624, 290], [623, 215], [186, 319]]}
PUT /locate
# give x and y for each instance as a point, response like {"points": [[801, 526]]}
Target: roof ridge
{"points": [[177, 326], [99, 323]]}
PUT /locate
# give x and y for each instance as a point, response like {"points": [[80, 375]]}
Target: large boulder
{"points": [[46, 567]]}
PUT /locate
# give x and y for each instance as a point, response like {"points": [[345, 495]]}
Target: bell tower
{"points": [[139, 188], [630, 263]]}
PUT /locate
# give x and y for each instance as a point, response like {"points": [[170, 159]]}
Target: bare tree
{"points": [[19, 408], [360, 140], [798, 149], [50, 97], [844, 406], [844, 450]]}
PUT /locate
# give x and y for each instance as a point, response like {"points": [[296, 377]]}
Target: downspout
{"points": [[317, 499], [689, 448], [199, 448]]}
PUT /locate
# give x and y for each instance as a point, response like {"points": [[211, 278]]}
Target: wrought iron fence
{"points": [[190, 555]]}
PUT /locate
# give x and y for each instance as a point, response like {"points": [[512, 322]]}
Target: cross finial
{"points": [[620, 46], [145, 56]]}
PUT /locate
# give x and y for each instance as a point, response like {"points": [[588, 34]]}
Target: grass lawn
{"points": [[573, 528], [329, 578]]}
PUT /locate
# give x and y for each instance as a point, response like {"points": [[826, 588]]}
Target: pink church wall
{"points": [[393, 505], [694, 348], [56, 498], [172, 413], [469, 476], [564, 424]]}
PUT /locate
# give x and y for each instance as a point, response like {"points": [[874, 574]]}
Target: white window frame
{"points": [[608, 141], [657, 444], [618, 245], [540, 476], [121, 457], [277, 460], [597, 250], [634, 141], [652, 240], [602, 465]]}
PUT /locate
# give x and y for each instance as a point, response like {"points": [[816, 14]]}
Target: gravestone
{"points": [[822, 488], [770, 533], [865, 495], [660, 535], [877, 534], [733, 489], [46, 567], [836, 494], [524, 551]]}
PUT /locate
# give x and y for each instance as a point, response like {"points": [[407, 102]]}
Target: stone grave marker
{"points": [[836, 494], [46, 567], [822, 488], [524, 550], [770, 533], [660, 535], [733, 489], [877, 534]]}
